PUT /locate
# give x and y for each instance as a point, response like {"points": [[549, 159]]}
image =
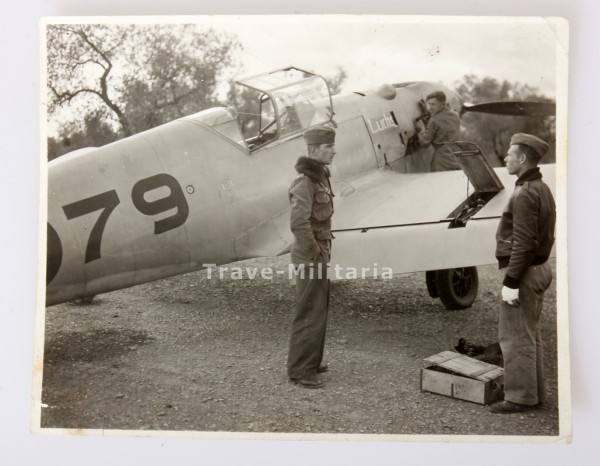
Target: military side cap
{"points": [[319, 135], [539, 147]]}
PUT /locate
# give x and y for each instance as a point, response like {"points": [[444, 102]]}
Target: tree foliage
{"points": [[130, 77], [81, 62], [336, 81], [493, 132], [246, 103], [94, 132]]}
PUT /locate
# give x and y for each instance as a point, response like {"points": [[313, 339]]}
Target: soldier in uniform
{"points": [[311, 202], [443, 126], [523, 244]]}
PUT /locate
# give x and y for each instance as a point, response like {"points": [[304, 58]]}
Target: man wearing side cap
{"points": [[524, 240], [311, 202], [443, 126]]}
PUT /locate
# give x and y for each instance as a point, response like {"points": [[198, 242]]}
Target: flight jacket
{"points": [[311, 202], [525, 234]]}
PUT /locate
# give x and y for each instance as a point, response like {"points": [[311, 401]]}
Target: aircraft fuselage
{"points": [[170, 199]]}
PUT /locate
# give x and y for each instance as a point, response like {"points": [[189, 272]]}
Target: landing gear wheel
{"points": [[431, 286], [457, 288]]}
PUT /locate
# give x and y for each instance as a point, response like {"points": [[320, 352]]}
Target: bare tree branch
{"points": [[146, 75], [64, 97]]}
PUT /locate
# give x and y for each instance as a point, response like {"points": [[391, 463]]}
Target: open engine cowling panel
{"points": [[481, 176]]}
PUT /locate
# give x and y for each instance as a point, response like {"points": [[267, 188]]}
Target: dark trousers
{"points": [[520, 335], [310, 322], [443, 160]]}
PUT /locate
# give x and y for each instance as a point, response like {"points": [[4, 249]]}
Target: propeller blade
{"points": [[513, 107]]}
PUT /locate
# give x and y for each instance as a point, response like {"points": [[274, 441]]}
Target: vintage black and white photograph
{"points": [[304, 227]]}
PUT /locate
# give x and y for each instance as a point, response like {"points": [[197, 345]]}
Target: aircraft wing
{"points": [[386, 198], [404, 222]]}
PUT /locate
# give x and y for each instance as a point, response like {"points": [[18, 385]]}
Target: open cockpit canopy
{"points": [[282, 103]]}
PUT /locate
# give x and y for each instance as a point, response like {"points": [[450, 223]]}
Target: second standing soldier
{"points": [[525, 238]]}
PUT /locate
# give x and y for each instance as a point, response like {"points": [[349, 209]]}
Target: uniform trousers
{"points": [[310, 322], [520, 335], [443, 160]]}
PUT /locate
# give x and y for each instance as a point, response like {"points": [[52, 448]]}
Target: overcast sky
{"points": [[376, 50]]}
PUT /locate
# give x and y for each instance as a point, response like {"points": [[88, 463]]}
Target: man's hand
{"points": [[511, 296], [419, 125]]}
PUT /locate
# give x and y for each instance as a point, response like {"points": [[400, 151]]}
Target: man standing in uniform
{"points": [[443, 126], [311, 202], [523, 244]]}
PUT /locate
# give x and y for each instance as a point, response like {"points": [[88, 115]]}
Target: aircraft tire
{"points": [[431, 286], [457, 288]]}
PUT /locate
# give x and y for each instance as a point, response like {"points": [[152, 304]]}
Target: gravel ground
{"points": [[192, 354]]}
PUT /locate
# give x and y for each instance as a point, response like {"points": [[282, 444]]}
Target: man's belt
{"points": [[323, 235]]}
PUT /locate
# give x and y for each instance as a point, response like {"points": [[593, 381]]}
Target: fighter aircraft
{"points": [[199, 190]]}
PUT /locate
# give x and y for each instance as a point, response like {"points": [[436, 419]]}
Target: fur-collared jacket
{"points": [[311, 202]]}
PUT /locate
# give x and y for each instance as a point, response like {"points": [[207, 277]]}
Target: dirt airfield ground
{"points": [[192, 354]]}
